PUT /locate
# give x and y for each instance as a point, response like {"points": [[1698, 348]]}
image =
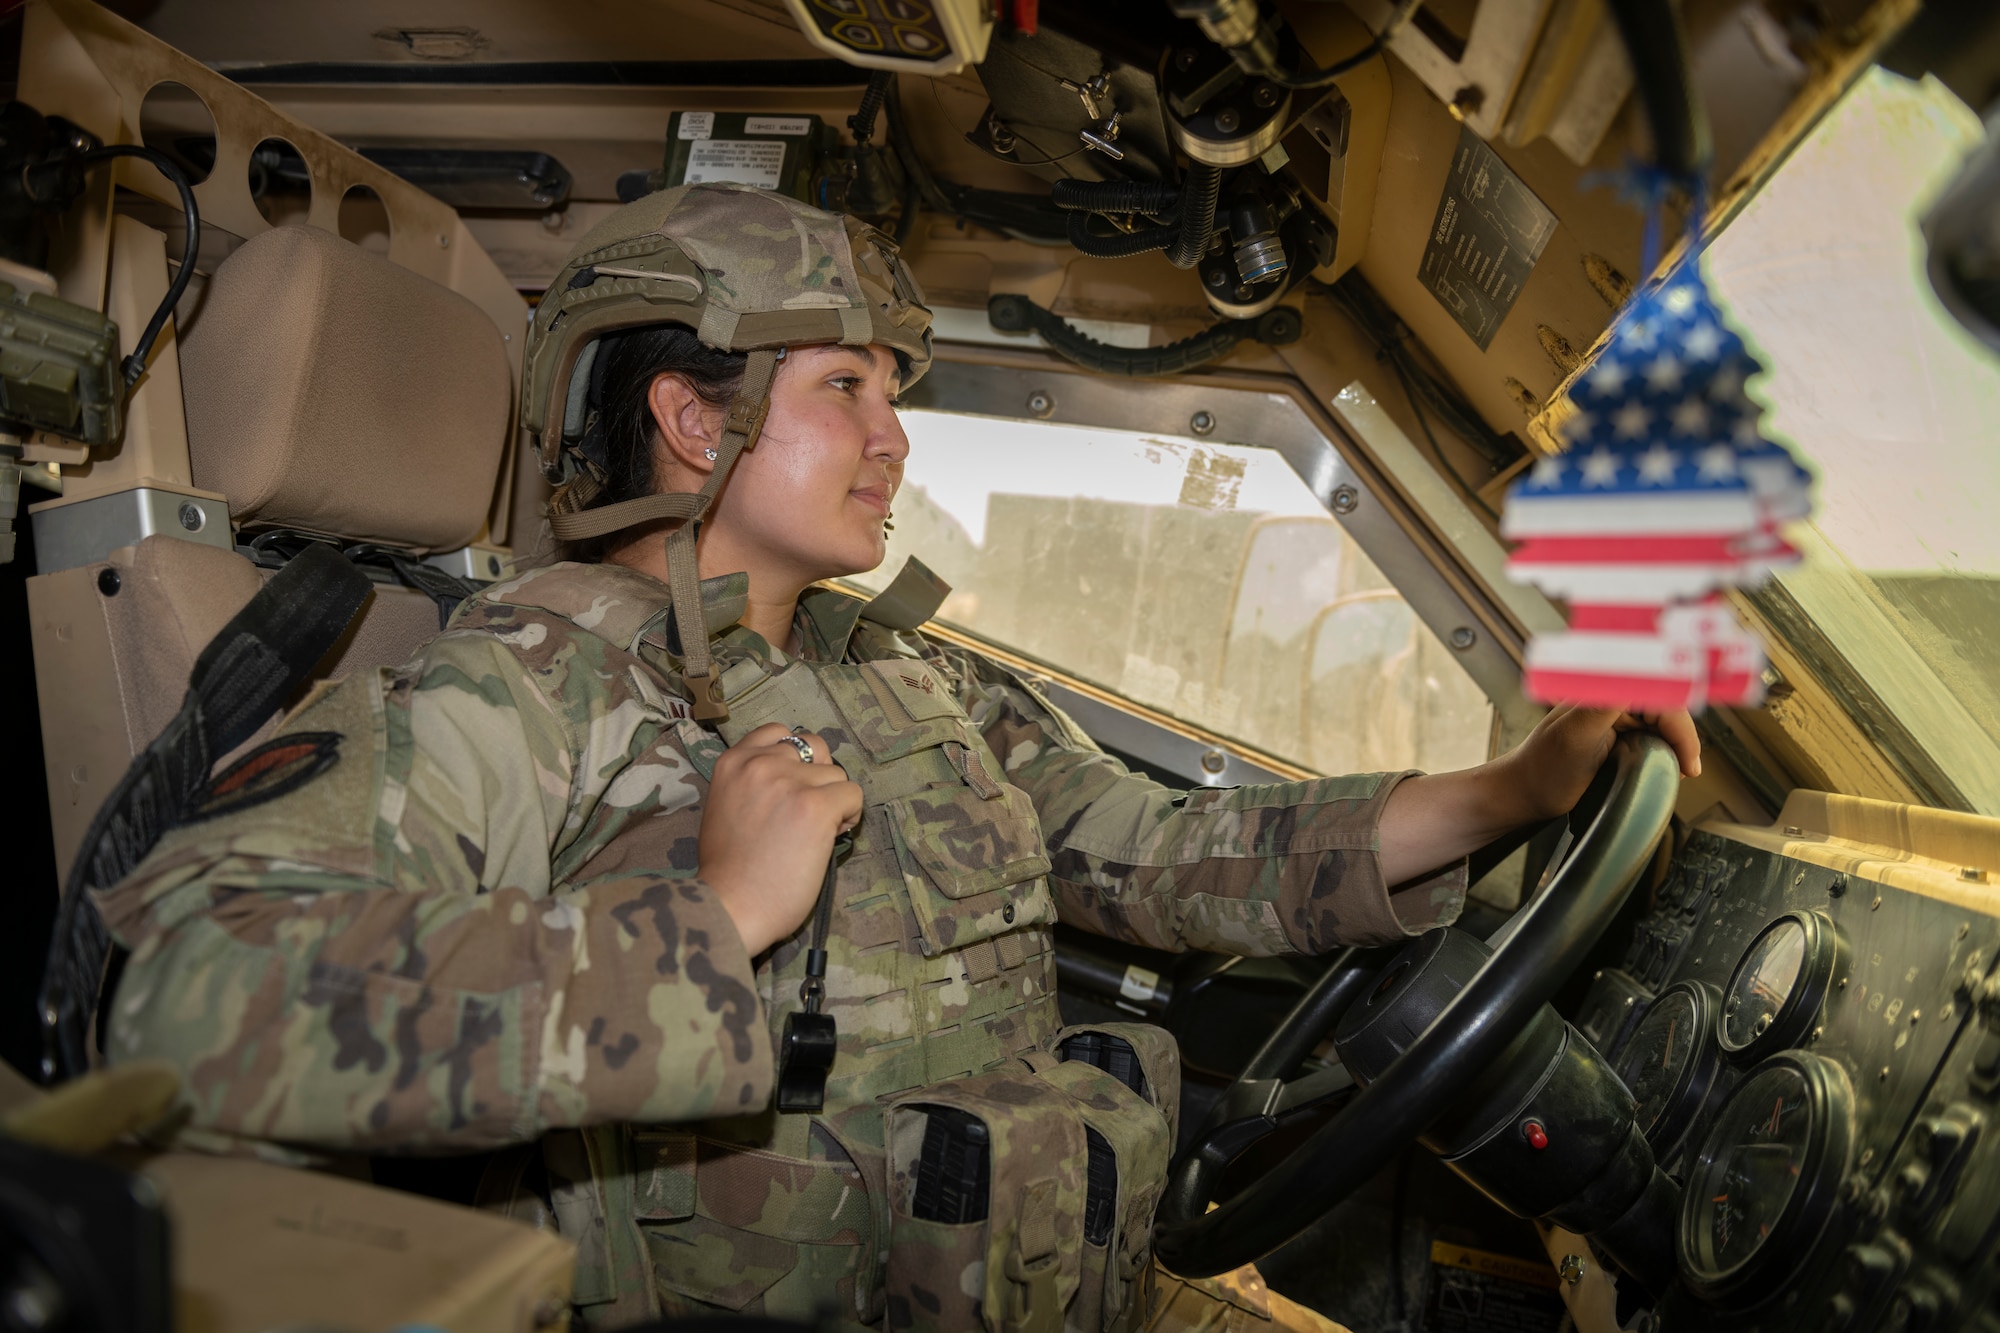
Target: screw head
{"points": [[1266, 96], [1184, 60], [1228, 120], [1201, 423], [191, 516], [1345, 499], [1463, 638], [1041, 402], [1214, 761], [444, 241]]}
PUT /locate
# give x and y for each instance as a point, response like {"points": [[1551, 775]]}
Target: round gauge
{"points": [[1763, 1183], [1669, 1061], [1778, 986]]}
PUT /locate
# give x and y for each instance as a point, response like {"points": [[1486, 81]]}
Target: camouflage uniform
{"points": [[486, 922]]}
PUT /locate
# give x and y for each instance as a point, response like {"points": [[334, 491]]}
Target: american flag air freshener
{"points": [[1668, 494]]}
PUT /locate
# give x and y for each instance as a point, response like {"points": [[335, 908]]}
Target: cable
{"points": [[1030, 217], [1152, 197], [1198, 195], [1471, 493], [862, 122], [1011, 313], [913, 203], [135, 365], [1117, 244], [1391, 337], [1320, 78], [1658, 46], [1047, 157]]}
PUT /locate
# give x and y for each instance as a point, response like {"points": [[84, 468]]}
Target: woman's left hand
{"points": [[1553, 766]]}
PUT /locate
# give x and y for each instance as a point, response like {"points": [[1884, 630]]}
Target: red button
{"points": [[1538, 1138]]}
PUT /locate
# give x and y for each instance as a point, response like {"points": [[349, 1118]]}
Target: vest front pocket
{"points": [[750, 1230], [974, 867], [985, 1184], [719, 1265]]}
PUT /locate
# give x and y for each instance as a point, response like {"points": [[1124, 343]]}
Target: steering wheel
{"points": [[1623, 815]]}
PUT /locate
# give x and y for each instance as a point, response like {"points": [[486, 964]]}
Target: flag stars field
{"points": [[1641, 538]]}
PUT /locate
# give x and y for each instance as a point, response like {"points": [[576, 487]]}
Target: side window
{"points": [[1200, 579]]}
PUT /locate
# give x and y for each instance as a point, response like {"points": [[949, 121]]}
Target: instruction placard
{"points": [[1490, 230], [1473, 1291], [759, 162]]}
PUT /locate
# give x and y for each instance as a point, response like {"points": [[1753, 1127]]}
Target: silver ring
{"points": [[802, 745]]}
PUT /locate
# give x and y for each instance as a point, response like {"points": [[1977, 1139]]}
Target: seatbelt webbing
{"points": [[245, 673]]}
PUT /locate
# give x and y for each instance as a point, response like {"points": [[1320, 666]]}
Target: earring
{"points": [[888, 526], [709, 454]]}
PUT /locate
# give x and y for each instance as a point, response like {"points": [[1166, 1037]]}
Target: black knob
{"points": [[1917, 1308], [1871, 1267], [1940, 1137]]}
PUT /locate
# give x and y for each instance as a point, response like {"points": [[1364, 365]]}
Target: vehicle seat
{"points": [[328, 392]]}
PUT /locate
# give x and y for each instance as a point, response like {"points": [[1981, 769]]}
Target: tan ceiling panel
{"points": [[227, 32], [1416, 161]]}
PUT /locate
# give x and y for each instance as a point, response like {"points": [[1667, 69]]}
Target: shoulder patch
{"points": [[281, 765]]}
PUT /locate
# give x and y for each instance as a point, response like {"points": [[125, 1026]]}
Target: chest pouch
{"points": [[968, 843], [1125, 1081], [986, 1186], [1023, 1198]]}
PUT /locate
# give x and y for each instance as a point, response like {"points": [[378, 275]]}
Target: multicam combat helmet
{"points": [[749, 270]]}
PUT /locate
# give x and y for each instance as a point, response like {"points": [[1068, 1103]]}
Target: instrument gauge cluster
{"points": [[1774, 996], [1670, 1062], [1811, 1064], [1762, 1186]]}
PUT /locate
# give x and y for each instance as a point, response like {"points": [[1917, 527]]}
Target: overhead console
{"points": [[1809, 1020]]}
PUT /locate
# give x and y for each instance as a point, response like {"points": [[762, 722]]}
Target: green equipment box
{"points": [[58, 368], [769, 150]]}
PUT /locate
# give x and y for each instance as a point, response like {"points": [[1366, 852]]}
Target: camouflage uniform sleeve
{"points": [[1288, 867], [377, 958]]}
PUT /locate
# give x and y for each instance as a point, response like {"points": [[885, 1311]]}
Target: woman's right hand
{"points": [[768, 830]]}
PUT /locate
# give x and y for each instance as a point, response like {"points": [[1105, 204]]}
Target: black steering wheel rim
{"points": [[1549, 939]]}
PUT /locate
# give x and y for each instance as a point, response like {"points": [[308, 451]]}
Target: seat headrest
{"points": [[332, 391]]}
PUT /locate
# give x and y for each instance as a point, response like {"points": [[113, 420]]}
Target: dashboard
{"points": [[1816, 1059]]}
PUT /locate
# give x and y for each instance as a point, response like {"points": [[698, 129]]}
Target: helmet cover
{"points": [[744, 267]]}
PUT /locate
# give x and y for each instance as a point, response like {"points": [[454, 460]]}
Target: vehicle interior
{"points": [[1248, 314]]}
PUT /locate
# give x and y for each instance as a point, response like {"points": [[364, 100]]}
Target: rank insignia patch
{"points": [[272, 769]]}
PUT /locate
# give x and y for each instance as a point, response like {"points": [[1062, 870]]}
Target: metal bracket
{"points": [[478, 564], [68, 535]]}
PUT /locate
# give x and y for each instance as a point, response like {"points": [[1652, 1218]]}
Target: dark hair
{"points": [[626, 366]]}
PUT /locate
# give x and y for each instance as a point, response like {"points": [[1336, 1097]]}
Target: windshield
{"points": [[1897, 409], [1202, 580]]}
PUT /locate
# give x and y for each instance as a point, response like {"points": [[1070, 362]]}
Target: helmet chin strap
{"points": [[740, 429]]}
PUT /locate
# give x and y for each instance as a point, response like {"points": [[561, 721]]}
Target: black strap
{"points": [[812, 991], [247, 671], [447, 590]]}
